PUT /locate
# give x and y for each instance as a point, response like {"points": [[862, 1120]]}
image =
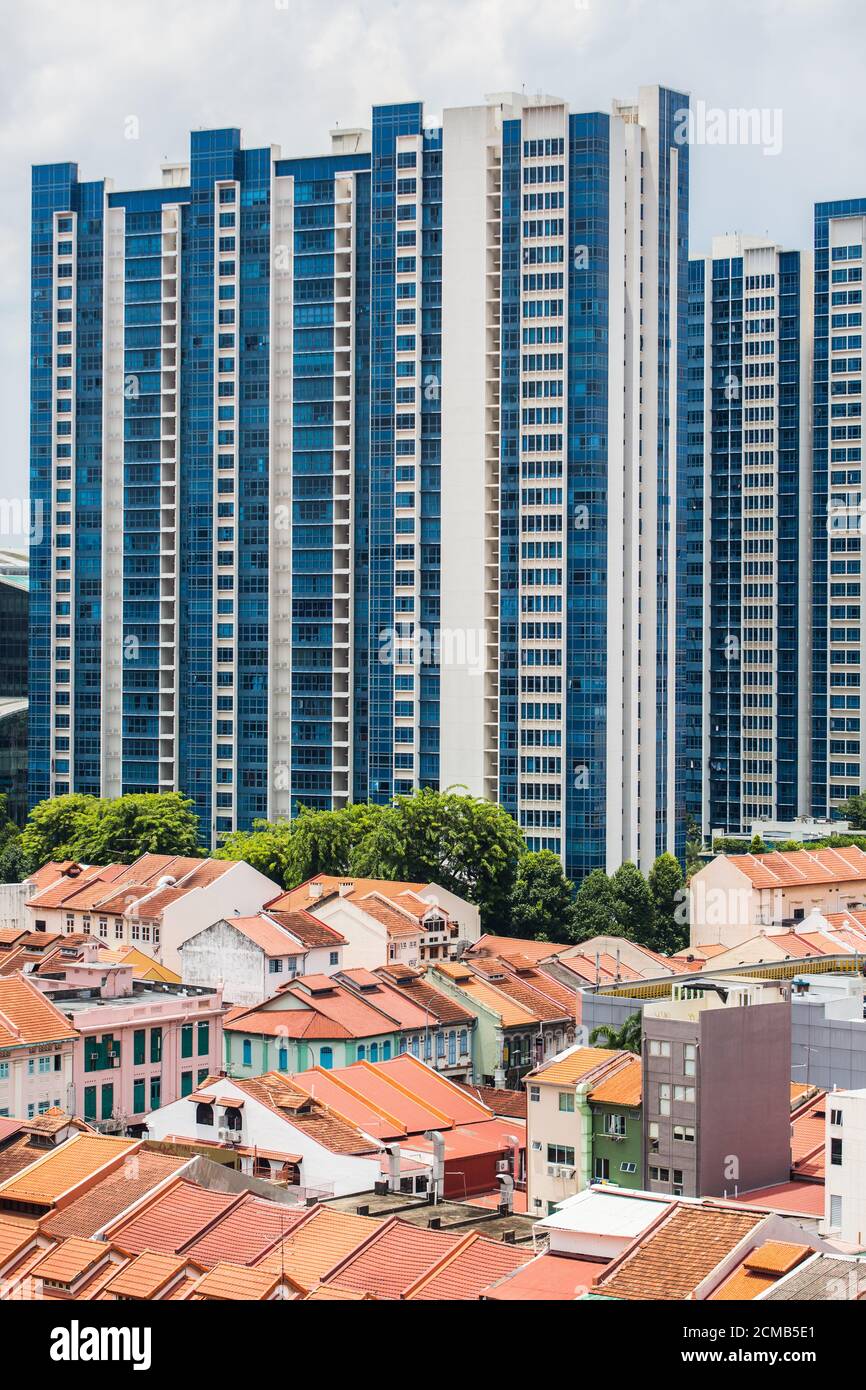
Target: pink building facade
{"points": [[141, 1045]]}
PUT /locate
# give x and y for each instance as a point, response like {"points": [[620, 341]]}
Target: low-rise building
{"points": [[250, 956], [154, 904], [37, 1045], [388, 922], [560, 1123], [138, 1044], [845, 1191]]}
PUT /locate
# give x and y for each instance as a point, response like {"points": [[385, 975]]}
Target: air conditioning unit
{"points": [[227, 1136], [502, 1165], [115, 1060]]}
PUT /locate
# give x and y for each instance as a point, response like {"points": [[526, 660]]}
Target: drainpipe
{"points": [[584, 1155]]}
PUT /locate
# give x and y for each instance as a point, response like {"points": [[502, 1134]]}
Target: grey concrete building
{"points": [[716, 1088]]}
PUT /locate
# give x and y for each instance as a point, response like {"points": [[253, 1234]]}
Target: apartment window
{"points": [[684, 1134], [836, 1118], [836, 1213], [664, 1099], [614, 1125], [334, 958], [185, 1040], [156, 1044], [186, 1083], [204, 1115], [690, 1059], [275, 967], [601, 1170], [138, 1097], [684, 1094], [660, 1174], [90, 1102], [107, 1101], [836, 1152], [535, 1093], [155, 1092], [566, 1102], [138, 1047], [628, 1167], [203, 1038], [248, 1052], [657, 1048], [561, 1154]]}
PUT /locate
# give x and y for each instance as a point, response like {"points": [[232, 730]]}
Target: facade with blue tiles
{"points": [[838, 769], [750, 366], [371, 471]]}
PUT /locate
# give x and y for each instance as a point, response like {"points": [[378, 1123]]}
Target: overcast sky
{"points": [[72, 73]]}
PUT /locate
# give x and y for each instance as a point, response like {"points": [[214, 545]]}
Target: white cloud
{"points": [[70, 74]]}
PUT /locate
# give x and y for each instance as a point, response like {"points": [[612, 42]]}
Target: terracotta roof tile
{"points": [[760, 1270], [674, 1256], [171, 1220], [237, 1283], [467, 1271], [70, 1259], [146, 1276], [573, 1066], [783, 868], [115, 1194], [499, 1100], [620, 1087], [58, 1172], [307, 928], [244, 1234], [301, 897], [548, 1278], [392, 1260], [419, 988], [27, 1017], [320, 1240]]}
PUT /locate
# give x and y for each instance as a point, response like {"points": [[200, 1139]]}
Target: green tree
{"points": [[667, 887], [139, 823], [53, 827], [267, 847], [324, 842], [470, 846], [594, 912], [854, 811], [694, 846], [98, 831], [633, 903], [542, 901], [624, 1039], [757, 846]]}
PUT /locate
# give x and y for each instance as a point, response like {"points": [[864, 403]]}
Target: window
{"points": [[204, 1114], [334, 958], [203, 1039], [156, 1044], [561, 1154], [836, 1118], [836, 1152], [660, 1174], [275, 967], [107, 1101], [138, 1047], [248, 1052], [684, 1094], [326, 1057], [90, 1102], [664, 1099], [155, 1092], [233, 1119], [836, 1213], [690, 1058], [628, 1167], [657, 1048], [566, 1102], [601, 1170], [186, 1083], [138, 1097], [185, 1040], [684, 1134], [614, 1125], [282, 1058], [535, 1093]]}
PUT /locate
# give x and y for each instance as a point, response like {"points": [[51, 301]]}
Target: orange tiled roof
{"points": [[795, 868], [147, 1275], [115, 1194], [320, 1240], [620, 1087], [395, 921], [238, 1283], [760, 1270], [171, 1220], [573, 1066], [418, 987], [27, 1017], [677, 1253], [70, 1259], [510, 1012], [307, 928], [61, 1170], [247, 1230], [300, 897], [273, 939], [506, 946]]}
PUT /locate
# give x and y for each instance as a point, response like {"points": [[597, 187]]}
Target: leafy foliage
{"points": [[624, 1039], [106, 831]]}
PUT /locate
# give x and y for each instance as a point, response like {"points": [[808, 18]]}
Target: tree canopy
{"points": [[105, 831]]}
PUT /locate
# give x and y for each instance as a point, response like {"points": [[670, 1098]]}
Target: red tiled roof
{"points": [[497, 1099], [171, 1220], [547, 1278], [392, 1260], [307, 928], [794, 1198], [273, 939], [467, 1271], [245, 1233], [417, 987]]}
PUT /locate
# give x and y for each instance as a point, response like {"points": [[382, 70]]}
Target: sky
{"points": [[78, 77]]}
